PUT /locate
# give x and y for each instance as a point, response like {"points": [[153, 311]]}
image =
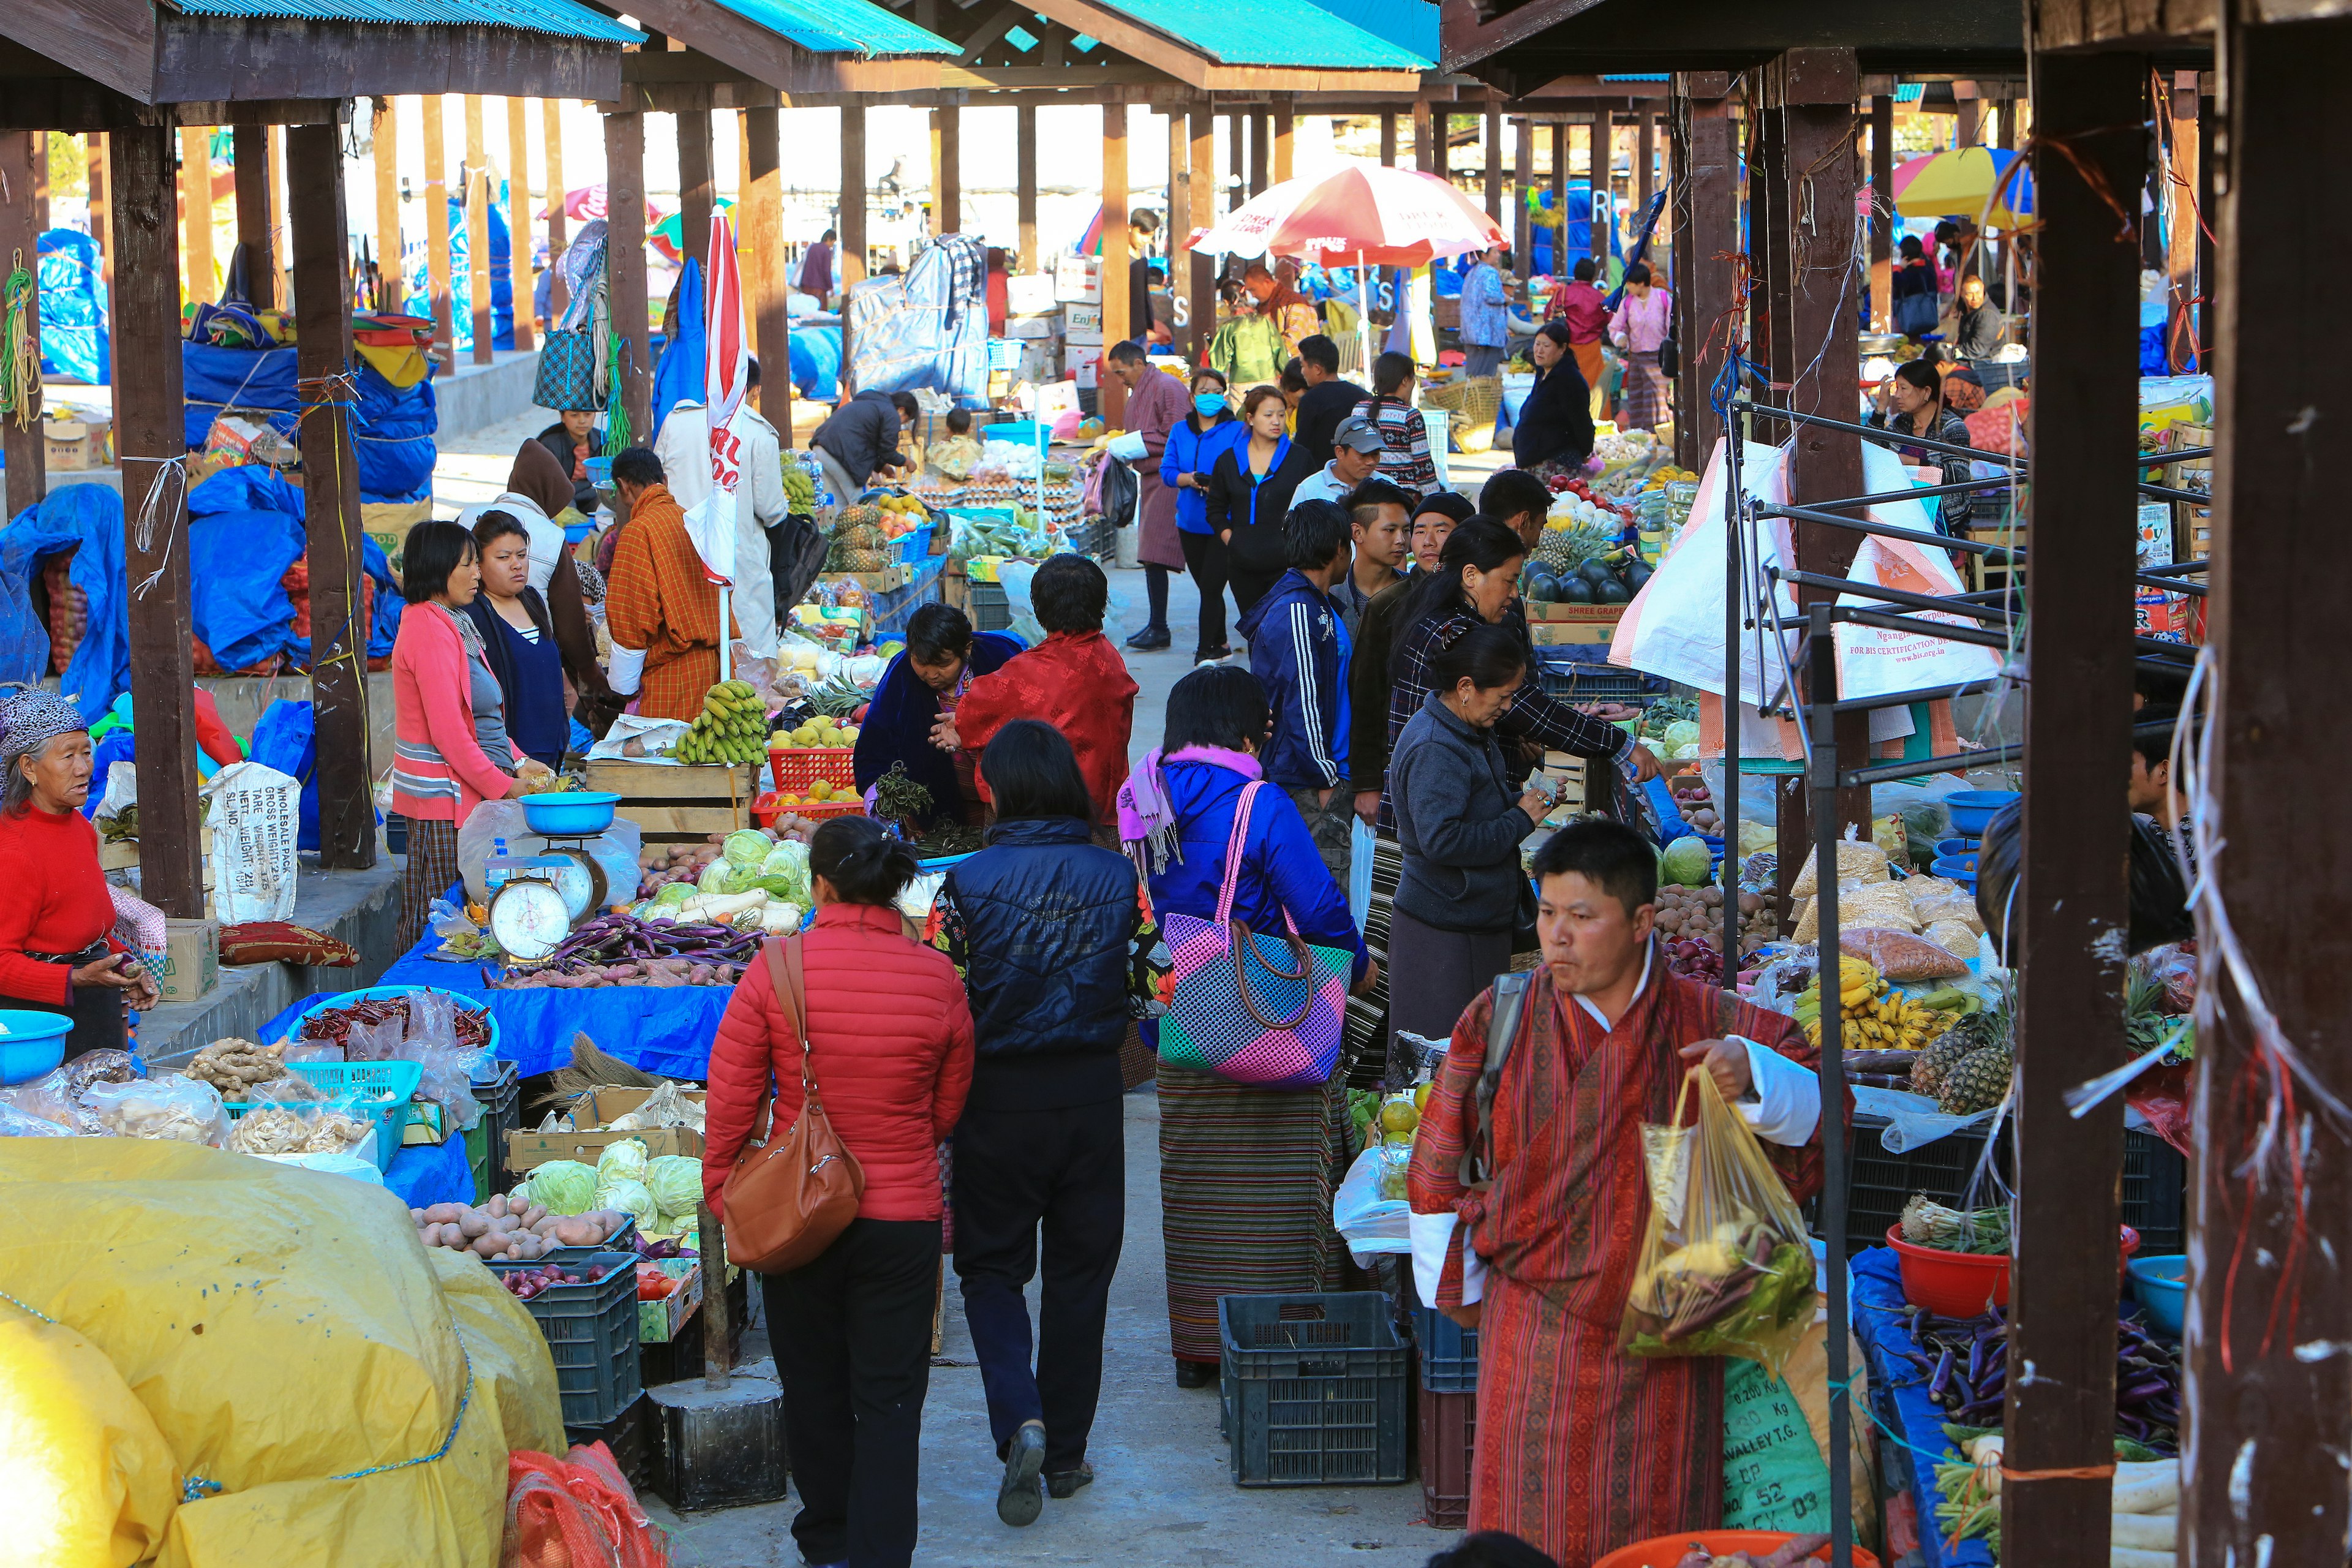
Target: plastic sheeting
{"points": [[244, 531], [816, 361], [392, 427], [87, 520], [679, 369], [461, 277], [926, 328], [248, 1363], [286, 737], [73, 307]]}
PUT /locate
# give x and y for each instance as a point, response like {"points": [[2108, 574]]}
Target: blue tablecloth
{"points": [[1877, 1306], [423, 1174]]}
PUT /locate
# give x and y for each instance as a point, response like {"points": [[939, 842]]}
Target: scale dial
{"points": [[530, 916], [580, 880]]}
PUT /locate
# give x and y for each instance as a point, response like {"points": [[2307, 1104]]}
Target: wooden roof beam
{"points": [[721, 35], [233, 57]]}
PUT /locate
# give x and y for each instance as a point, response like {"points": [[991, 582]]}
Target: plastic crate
{"points": [[1316, 1389], [500, 1098], [797, 767], [1589, 682], [478, 1159], [2155, 1183], [1449, 1437], [384, 1089], [990, 610], [1449, 1352], [590, 1331], [622, 1240]]}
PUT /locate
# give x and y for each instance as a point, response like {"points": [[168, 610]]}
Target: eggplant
{"points": [[1940, 1385]]}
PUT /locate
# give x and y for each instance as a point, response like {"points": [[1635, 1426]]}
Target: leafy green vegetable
{"points": [[565, 1186], [622, 1161], [632, 1197], [746, 848], [1686, 861], [676, 1182], [669, 895]]}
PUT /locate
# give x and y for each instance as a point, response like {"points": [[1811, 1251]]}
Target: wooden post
{"points": [[1024, 139], [1286, 121], [2072, 902], [40, 184], [102, 228], [521, 270], [477, 233], [1561, 266], [851, 223], [2208, 274], [947, 172], [250, 149], [1261, 149], [392, 276], [197, 210], [331, 493], [1201, 180], [625, 215], [151, 440], [437, 232], [1706, 240], [1882, 177], [1237, 153], [697, 193], [1426, 158], [764, 221], [1604, 216], [1968, 124], [282, 277], [2269, 1247], [559, 292], [1110, 396], [1522, 175], [2182, 240], [1645, 165], [26, 446], [1493, 158], [1388, 137]]}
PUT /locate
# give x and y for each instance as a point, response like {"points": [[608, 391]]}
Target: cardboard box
{"points": [[658, 1323], [191, 966], [1083, 318], [1077, 279], [596, 1107], [1548, 633], [1083, 339], [1033, 327], [77, 444], [1029, 293]]}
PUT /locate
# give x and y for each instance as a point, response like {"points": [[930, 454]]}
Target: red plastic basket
{"points": [[768, 809], [1666, 1551], [1955, 1284], [797, 767]]}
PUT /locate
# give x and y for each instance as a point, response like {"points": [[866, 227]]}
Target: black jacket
{"points": [[1255, 511], [558, 440], [1048, 923], [1319, 413], [1460, 825], [1555, 424], [860, 434]]}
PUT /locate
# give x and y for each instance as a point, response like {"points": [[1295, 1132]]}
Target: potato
{"points": [[497, 1205], [444, 1213], [474, 1225], [490, 1245], [533, 1216], [581, 1232]]}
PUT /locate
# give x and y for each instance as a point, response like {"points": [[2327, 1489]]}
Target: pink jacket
{"points": [[439, 773]]}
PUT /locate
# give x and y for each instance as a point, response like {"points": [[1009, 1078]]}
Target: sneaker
{"points": [[1019, 1498], [1150, 639], [1212, 656], [1065, 1483]]}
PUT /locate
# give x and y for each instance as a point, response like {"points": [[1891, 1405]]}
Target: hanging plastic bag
{"points": [[1726, 1268], [255, 818], [432, 1043]]}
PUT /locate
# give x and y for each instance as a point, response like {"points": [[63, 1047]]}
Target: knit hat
{"points": [[31, 718]]}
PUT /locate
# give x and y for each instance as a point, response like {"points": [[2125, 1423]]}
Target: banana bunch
{"points": [[1878, 1017], [731, 728]]}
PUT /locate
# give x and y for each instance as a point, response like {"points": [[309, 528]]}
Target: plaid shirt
{"points": [[1533, 716]]}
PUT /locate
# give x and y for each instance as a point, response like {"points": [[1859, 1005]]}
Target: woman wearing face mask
{"points": [[1460, 820], [1194, 447], [518, 639], [1249, 495]]}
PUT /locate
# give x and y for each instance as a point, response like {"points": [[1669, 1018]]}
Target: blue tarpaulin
{"points": [[73, 307], [245, 532], [87, 520], [392, 427], [678, 371], [461, 278], [816, 361]]}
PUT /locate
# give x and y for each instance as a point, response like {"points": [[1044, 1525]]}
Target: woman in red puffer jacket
{"points": [[892, 1059]]}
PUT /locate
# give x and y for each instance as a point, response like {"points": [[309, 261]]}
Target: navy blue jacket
{"points": [[1298, 650], [1281, 869], [1044, 922]]}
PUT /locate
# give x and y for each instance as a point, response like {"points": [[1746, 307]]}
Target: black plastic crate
{"points": [[2155, 1183], [990, 610], [1585, 681], [632, 1439], [1449, 1438], [500, 1098], [1316, 1389], [590, 1331], [1449, 1352]]}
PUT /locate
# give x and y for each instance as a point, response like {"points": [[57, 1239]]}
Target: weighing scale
{"points": [[539, 903]]}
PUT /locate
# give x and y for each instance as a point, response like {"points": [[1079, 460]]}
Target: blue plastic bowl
{"points": [[31, 1044], [563, 816], [2161, 1285], [1952, 849], [1970, 809], [1960, 869]]}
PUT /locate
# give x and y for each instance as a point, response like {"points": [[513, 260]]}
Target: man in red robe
{"points": [[1580, 1447], [1074, 680]]}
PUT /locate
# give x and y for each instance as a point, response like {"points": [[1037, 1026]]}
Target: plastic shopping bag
{"points": [[1726, 1268]]}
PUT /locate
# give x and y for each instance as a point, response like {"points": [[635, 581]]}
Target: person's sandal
{"points": [[1195, 1373], [1065, 1483], [1019, 1498]]}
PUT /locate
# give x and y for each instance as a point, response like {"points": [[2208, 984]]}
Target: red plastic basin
{"points": [[1954, 1284], [1666, 1551]]}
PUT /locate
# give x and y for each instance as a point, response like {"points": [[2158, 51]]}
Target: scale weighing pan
{"points": [[574, 813]]}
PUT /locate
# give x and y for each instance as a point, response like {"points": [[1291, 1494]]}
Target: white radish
{"points": [[2143, 1493], [2145, 1532]]}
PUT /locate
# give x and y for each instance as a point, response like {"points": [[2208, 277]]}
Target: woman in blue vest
{"points": [[1059, 952], [519, 640]]}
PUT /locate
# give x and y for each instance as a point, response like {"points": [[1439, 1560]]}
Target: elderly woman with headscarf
{"points": [[57, 950], [537, 494]]}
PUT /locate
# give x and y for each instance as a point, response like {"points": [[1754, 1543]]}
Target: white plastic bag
{"points": [[654, 734], [255, 817], [1366, 1221]]}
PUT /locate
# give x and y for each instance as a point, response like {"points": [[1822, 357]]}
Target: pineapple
{"points": [[1944, 1053], [1978, 1083]]}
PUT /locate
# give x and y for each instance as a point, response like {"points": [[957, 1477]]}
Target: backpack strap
{"points": [[1502, 1033]]}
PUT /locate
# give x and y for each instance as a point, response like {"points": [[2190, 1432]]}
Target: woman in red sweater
{"points": [[57, 954], [891, 1054]]}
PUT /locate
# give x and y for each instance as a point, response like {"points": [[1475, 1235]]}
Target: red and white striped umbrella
{"points": [[1365, 214]]}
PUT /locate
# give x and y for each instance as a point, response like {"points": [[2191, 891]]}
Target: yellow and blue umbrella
{"points": [[1967, 182]]}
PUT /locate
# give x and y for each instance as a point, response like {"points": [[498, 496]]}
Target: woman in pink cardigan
{"points": [[450, 747]]}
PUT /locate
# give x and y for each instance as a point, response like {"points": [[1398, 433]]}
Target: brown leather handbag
{"points": [[787, 1198]]}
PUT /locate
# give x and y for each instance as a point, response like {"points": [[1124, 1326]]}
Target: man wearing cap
{"points": [[1355, 448]]}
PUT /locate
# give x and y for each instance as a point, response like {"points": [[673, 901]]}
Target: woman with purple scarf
{"points": [[1246, 1173]]}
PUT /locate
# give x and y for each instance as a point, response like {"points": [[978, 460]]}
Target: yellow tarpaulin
{"points": [[208, 1360]]}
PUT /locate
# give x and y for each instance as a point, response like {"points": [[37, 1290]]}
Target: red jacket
{"points": [[1077, 683], [893, 1058]]}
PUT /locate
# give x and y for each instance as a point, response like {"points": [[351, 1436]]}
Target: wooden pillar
{"points": [[947, 169], [282, 277], [696, 190], [1605, 216], [477, 233], [1202, 166], [2182, 240], [1882, 177], [331, 496], [101, 227], [851, 223], [250, 149], [2270, 1245], [1494, 157], [559, 292], [1969, 125], [1523, 176], [1261, 149], [2208, 274], [1111, 397], [2073, 902], [391, 279], [1286, 121], [763, 223], [625, 213], [1237, 155], [1706, 238], [40, 184], [197, 210], [1024, 139], [1561, 266], [436, 231], [1426, 158], [151, 441], [521, 270], [27, 448], [1388, 137], [1645, 165], [1768, 337]]}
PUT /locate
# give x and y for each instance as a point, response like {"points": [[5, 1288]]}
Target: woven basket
{"points": [[1474, 402]]}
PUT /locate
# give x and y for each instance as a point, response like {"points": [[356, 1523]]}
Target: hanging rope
{"points": [[20, 349]]}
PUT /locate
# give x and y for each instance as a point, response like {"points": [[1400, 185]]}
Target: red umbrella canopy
{"points": [[1383, 217], [587, 202]]}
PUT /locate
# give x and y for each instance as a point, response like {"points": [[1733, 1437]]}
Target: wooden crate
{"points": [[679, 803]]}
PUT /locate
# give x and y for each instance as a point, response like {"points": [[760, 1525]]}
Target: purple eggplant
{"points": [[1940, 1385]]}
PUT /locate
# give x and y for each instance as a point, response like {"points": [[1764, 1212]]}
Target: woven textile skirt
{"points": [[1367, 1017], [1246, 1183], [431, 872], [1645, 394]]}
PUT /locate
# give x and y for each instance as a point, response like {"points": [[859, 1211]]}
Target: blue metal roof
{"points": [[842, 26], [1306, 36], [1659, 77], [554, 19], [1410, 24]]}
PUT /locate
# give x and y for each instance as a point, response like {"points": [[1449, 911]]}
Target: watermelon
{"points": [[1574, 590], [1596, 573], [1613, 592], [1539, 587], [1636, 575]]}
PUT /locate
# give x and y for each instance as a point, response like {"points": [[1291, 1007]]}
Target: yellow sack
{"points": [[321, 1392]]}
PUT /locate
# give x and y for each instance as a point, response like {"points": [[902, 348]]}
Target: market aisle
{"points": [[1162, 1497]]}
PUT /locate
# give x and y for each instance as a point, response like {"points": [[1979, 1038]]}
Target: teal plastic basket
{"points": [[345, 998], [384, 1090]]}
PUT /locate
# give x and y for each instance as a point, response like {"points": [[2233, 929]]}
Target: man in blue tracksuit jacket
{"points": [[1298, 650]]}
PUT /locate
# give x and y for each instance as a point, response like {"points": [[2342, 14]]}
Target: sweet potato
{"points": [[577, 1231], [416, 1216]]}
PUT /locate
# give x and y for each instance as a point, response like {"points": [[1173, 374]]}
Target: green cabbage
{"points": [[785, 873], [625, 1160], [747, 847], [565, 1186], [1686, 861], [632, 1197], [669, 895], [1680, 733], [676, 1182]]}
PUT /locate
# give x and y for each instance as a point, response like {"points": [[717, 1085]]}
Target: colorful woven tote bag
{"points": [[1258, 1010]]}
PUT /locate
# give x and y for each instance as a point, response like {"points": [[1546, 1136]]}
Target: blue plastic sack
{"points": [[87, 520], [245, 532], [286, 738], [678, 373], [816, 362], [461, 277], [73, 307], [385, 627]]}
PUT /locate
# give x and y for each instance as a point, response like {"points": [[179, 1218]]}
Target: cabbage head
{"points": [[785, 872], [565, 1186], [669, 895], [1687, 861], [719, 876], [632, 1197], [1680, 733], [747, 847], [622, 1161], [676, 1182]]}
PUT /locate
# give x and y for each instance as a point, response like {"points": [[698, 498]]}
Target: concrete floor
{"points": [[1162, 1497]]}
